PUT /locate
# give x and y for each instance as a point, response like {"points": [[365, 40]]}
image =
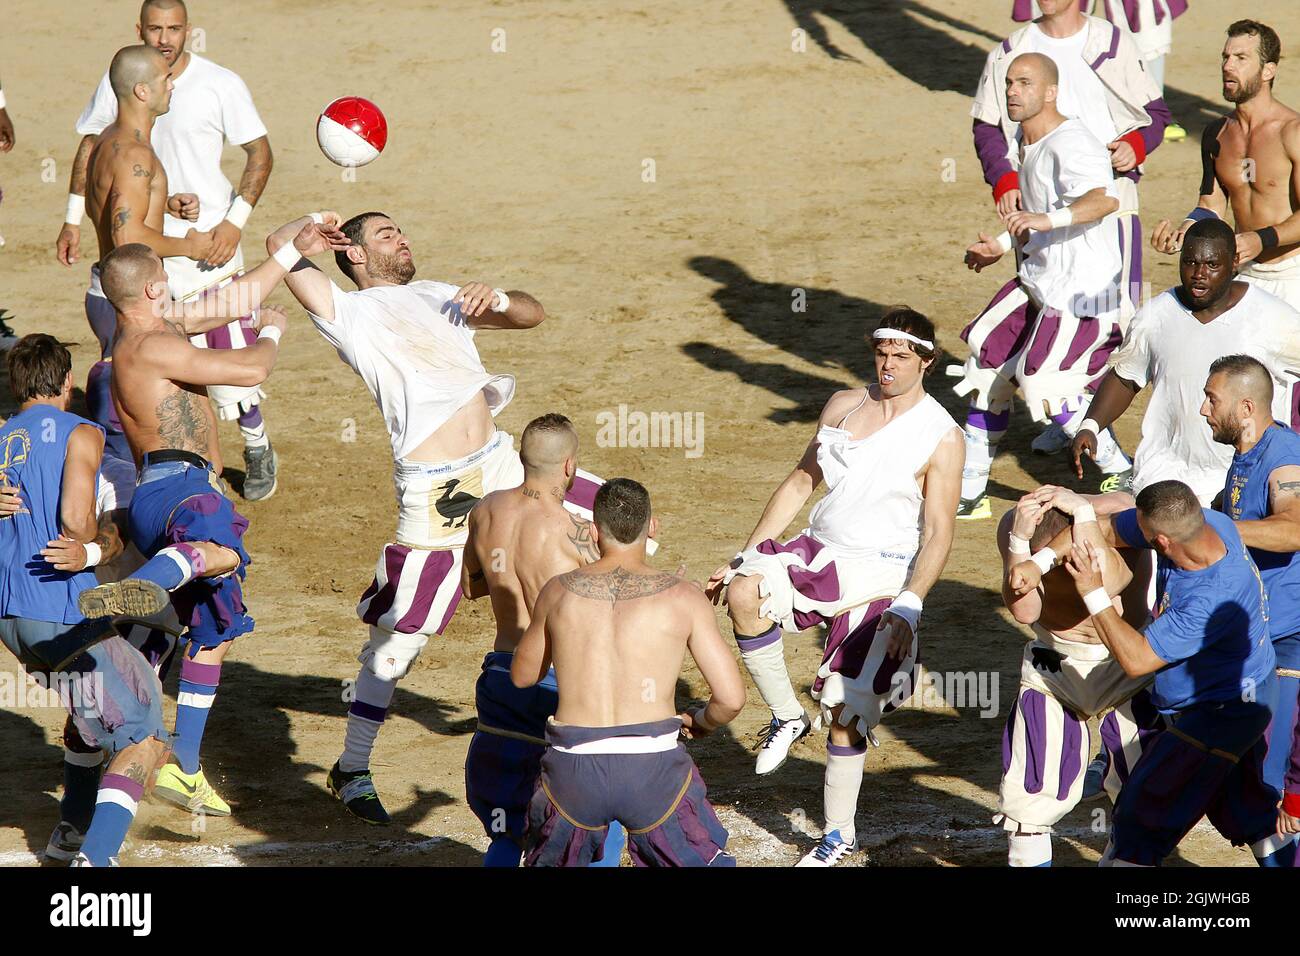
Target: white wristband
{"points": [[2, 99], [1005, 242], [271, 332], [1090, 425], [1061, 218], [907, 606], [1084, 513], [238, 213], [318, 218], [1097, 601], [1017, 544], [76, 209], [503, 300], [93, 554], [287, 256], [1045, 559]]}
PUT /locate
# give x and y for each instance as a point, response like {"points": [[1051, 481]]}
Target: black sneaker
{"points": [[974, 509], [8, 338], [259, 473], [357, 791]]}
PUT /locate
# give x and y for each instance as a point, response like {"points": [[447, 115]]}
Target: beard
{"points": [[1227, 433], [393, 269], [1246, 90]]}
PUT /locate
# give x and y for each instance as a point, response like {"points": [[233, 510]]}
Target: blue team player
{"points": [[47, 549], [1262, 494]]}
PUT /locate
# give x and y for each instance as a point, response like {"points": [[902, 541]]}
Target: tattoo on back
{"points": [[181, 422], [581, 538], [618, 585]]}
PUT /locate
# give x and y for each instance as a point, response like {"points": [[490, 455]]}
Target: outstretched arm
{"points": [[1114, 396], [311, 287], [1129, 647], [1092, 206], [174, 357]]}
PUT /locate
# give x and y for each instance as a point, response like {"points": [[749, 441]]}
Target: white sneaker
{"points": [[830, 851], [65, 843], [1052, 440], [82, 860], [777, 739]]}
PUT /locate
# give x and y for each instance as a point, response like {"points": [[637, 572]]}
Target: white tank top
{"points": [[872, 503]]}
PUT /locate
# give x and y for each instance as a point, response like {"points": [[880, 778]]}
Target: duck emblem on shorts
{"points": [[456, 497]]}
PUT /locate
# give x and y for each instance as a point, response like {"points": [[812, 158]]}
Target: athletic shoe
{"points": [[356, 789], [82, 860], [65, 843], [776, 739], [974, 509], [8, 338], [259, 472], [1120, 481], [189, 791], [830, 851], [1052, 440], [1174, 133], [133, 596], [1094, 781]]}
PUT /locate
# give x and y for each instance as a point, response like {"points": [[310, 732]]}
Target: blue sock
{"points": [[173, 566], [503, 852], [614, 841], [194, 697], [80, 784], [1283, 857], [114, 810]]}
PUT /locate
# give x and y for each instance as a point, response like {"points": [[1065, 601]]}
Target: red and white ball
{"points": [[352, 131]]}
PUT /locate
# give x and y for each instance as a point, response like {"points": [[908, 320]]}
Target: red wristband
{"points": [[1139, 145], [1008, 182], [1291, 803]]}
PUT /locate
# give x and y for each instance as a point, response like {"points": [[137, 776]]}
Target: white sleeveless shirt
{"points": [[872, 505]]}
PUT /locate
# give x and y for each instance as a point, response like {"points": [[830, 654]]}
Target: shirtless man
{"points": [[1066, 677], [518, 540], [617, 631], [1250, 161], [179, 518]]}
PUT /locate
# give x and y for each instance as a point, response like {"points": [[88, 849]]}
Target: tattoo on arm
{"points": [[581, 539], [121, 217], [138, 170], [618, 585], [135, 771], [256, 171], [1288, 487], [80, 166]]}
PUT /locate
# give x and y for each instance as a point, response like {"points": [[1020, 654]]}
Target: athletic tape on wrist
{"points": [[76, 209], [1017, 544], [318, 218], [287, 256], [1267, 237], [94, 553], [1005, 242], [1061, 218], [1090, 425], [1085, 513], [1045, 559], [271, 332], [503, 300], [238, 213], [1097, 601], [2, 99]]}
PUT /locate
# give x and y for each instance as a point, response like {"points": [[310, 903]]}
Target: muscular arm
{"points": [[257, 169], [1212, 195], [173, 357], [533, 655], [1025, 608], [128, 203], [80, 163], [524, 312], [77, 494], [1093, 206], [1114, 396], [1280, 531], [1126, 644], [714, 659], [311, 287], [1288, 230], [942, 491], [472, 583]]}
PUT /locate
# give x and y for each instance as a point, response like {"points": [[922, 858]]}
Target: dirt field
{"points": [[668, 181]]}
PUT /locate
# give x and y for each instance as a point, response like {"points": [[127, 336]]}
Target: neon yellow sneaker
{"points": [[974, 509], [1175, 133], [189, 791]]}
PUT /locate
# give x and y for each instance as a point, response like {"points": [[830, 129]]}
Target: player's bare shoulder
{"points": [[842, 402], [618, 584]]}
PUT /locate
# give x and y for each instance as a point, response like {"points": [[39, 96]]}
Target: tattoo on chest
{"points": [[617, 585], [580, 536], [181, 422]]}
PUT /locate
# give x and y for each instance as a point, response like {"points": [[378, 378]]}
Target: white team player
{"points": [[412, 343], [210, 106], [1070, 302], [876, 543]]}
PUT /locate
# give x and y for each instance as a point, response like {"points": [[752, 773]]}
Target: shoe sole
{"points": [[768, 773], [274, 484], [329, 785], [133, 597]]}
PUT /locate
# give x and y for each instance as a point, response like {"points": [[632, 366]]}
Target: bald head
{"points": [[126, 271], [1031, 87], [547, 443], [133, 65], [1040, 65]]}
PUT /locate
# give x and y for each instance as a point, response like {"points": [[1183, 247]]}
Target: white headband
{"points": [[900, 334]]}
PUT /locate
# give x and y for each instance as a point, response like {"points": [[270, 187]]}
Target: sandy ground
{"points": [[665, 180]]}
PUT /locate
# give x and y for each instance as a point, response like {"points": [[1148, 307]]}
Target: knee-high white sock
{"points": [[983, 431], [764, 657], [365, 716], [1029, 849], [840, 790]]}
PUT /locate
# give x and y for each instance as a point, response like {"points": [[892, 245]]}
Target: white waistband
{"points": [[1278, 268], [405, 468], [623, 745], [1079, 650]]}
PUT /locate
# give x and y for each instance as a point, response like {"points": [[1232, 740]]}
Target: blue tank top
{"points": [[33, 445], [1245, 498]]}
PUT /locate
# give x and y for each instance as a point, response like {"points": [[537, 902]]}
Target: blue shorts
{"points": [[505, 753], [1209, 761], [176, 502], [107, 686]]}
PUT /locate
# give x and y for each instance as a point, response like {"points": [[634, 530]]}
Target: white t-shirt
{"points": [[416, 353], [209, 106], [1070, 267], [1169, 349], [1080, 93]]}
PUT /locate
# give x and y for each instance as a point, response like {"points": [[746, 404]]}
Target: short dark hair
{"points": [[1252, 375], [622, 510], [1214, 231], [1270, 47], [1053, 523], [906, 319], [353, 229], [1172, 509], [540, 448], [38, 367]]}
